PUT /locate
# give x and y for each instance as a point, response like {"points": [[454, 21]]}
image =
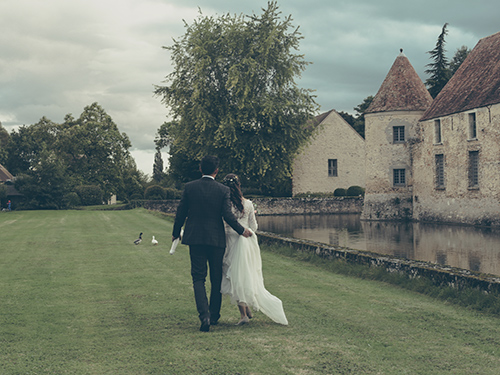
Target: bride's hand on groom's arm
{"points": [[247, 233]]}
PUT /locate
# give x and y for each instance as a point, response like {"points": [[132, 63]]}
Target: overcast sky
{"points": [[58, 56]]}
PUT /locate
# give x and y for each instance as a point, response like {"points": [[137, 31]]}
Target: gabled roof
{"points": [[402, 90], [475, 84], [5, 174], [321, 117], [318, 120]]}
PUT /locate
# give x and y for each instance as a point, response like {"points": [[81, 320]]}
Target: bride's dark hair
{"points": [[233, 182]]}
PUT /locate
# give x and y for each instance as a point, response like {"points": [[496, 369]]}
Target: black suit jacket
{"points": [[205, 203]]}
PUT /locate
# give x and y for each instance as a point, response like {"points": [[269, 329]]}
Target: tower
{"points": [[391, 131]]}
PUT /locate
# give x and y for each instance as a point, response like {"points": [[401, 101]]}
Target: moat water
{"points": [[472, 248]]}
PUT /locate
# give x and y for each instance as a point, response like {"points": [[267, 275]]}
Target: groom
{"points": [[205, 203]]}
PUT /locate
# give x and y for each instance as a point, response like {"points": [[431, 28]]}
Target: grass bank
{"points": [[77, 297]]}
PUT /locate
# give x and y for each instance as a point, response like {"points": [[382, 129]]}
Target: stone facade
{"points": [[456, 198], [385, 198], [334, 158], [457, 159]]}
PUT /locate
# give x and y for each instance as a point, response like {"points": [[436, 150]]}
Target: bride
{"points": [[242, 267]]}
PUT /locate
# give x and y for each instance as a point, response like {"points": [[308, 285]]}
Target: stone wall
{"points": [[304, 206], [439, 275], [277, 206]]}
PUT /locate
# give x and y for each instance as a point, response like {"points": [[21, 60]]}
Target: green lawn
{"points": [[77, 297]]}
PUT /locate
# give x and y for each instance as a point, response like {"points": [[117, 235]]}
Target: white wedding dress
{"points": [[242, 269]]}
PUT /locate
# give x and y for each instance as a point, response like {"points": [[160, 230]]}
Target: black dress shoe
{"points": [[205, 325]]}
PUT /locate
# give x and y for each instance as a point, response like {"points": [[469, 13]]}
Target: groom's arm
{"points": [[180, 216]]}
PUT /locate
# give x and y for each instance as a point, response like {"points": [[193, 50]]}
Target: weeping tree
{"points": [[232, 93]]}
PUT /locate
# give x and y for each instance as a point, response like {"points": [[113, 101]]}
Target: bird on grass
{"points": [[154, 241], [139, 240]]}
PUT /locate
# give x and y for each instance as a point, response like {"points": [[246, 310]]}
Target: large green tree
{"points": [[27, 145], [94, 150], [232, 93]]}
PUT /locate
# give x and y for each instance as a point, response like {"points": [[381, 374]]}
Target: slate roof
{"points": [[475, 84], [402, 90]]}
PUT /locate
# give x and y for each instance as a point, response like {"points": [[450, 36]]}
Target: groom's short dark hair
{"points": [[209, 164]]}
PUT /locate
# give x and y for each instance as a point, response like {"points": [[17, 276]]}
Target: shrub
{"points": [[90, 195], [340, 192], [155, 192], [355, 191]]}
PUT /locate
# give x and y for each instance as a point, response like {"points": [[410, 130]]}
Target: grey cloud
{"points": [[59, 56]]}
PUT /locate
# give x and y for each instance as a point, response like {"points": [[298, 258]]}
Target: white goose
{"points": [[154, 241]]}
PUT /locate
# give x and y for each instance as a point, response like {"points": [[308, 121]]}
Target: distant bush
{"points": [[340, 192], [172, 193], [155, 192], [72, 200], [90, 195], [355, 191]]}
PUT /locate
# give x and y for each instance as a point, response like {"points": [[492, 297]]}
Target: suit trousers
{"points": [[200, 256]]}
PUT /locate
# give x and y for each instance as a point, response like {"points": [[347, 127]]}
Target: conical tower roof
{"points": [[402, 90]]}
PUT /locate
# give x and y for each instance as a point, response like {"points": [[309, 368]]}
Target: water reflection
{"points": [[476, 249]]}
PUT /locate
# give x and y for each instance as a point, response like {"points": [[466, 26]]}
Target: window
{"points": [[398, 134], [332, 168], [437, 131], [439, 171], [399, 177], [473, 169], [472, 126]]}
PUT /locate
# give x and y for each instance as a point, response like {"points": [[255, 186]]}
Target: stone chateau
{"points": [[422, 159]]}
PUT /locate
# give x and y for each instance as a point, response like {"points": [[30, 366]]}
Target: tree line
{"points": [[83, 160]]}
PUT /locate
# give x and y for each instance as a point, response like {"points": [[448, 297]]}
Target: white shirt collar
{"points": [[207, 175]]}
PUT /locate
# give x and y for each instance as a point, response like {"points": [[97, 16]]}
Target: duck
{"points": [[154, 241], [139, 240]]}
